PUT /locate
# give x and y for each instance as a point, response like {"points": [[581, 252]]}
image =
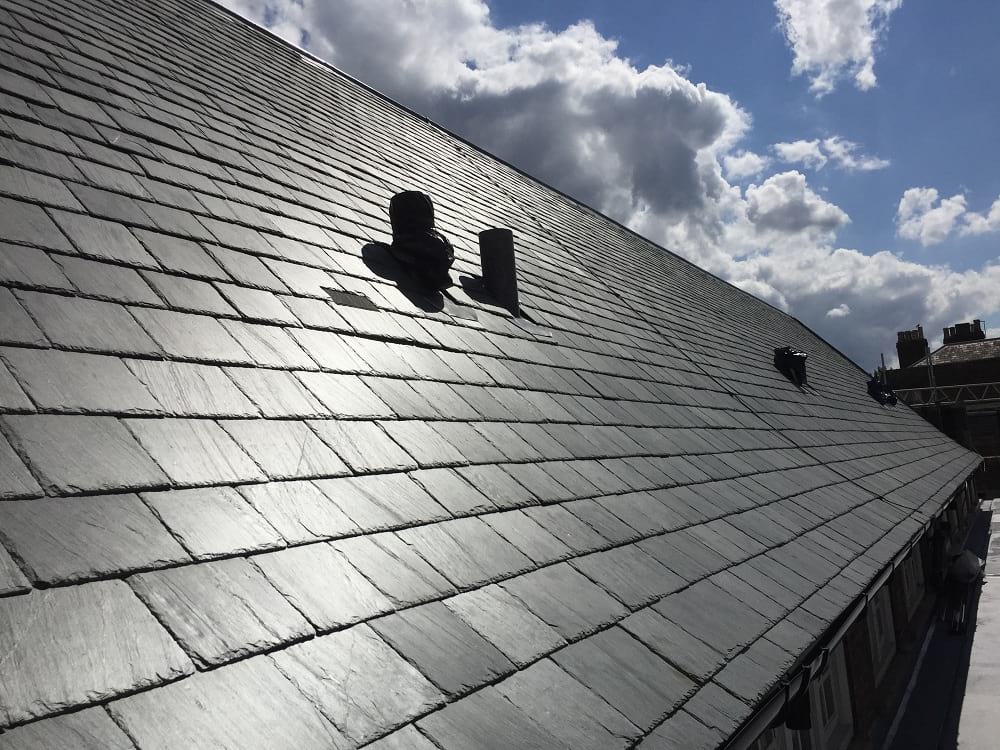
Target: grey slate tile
{"points": [[407, 738], [568, 710], [446, 650], [77, 645], [673, 643], [506, 623], [629, 574], [424, 444], [682, 730], [345, 396], [90, 729], [220, 611], [381, 501], [394, 567], [258, 304], [18, 326], [77, 538], [496, 484], [187, 389], [12, 398], [194, 451], [189, 295], [364, 446], [103, 239], [73, 381], [15, 479], [180, 255], [627, 675], [268, 345], [466, 551], [108, 281], [248, 705], [717, 709], [488, 722], [299, 511], [73, 454], [189, 336], [599, 518], [321, 584], [276, 393], [531, 539], [329, 350], [358, 682], [566, 527], [29, 224], [454, 493], [246, 269], [566, 600], [30, 267], [213, 522], [12, 580], [285, 449]]}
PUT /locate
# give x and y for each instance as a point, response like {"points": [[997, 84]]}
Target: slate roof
{"points": [[964, 351], [239, 512]]}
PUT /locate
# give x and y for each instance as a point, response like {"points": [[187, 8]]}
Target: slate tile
{"points": [[719, 619], [28, 224], [246, 269], [71, 381], [365, 446], [180, 255], [269, 346], [717, 709], [394, 567], [629, 574], [499, 486], [248, 705], [299, 511], [213, 522], [673, 643], [525, 534], [189, 295], [422, 442], [80, 644], [12, 580], [220, 611], [627, 675], [475, 447], [258, 305], [345, 396], [321, 584], [506, 623], [30, 267], [466, 551], [567, 709], [73, 539], [682, 730], [316, 313], [599, 518], [358, 682], [407, 738], [194, 451], [330, 350], [454, 493], [304, 280], [276, 393], [103, 239], [88, 324], [75, 454], [566, 527], [382, 501], [446, 650], [18, 327], [189, 336], [487, 721], [542, 484], [15, 479], [187, 389], [566, 600], [285, 449], [12, 398], [90, 729], [111, 282]]}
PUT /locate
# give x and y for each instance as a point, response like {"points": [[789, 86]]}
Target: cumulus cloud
{"points": [[835, 39], [645, 145], [743, 164], [840, 152], [983, 222], [840, 311], [926, 218]]}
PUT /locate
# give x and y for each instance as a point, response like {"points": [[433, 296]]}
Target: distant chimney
{"points": [[964, 332], [496, 252], [911, 346]]}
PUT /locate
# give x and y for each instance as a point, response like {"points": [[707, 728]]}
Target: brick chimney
{"points": [[911, 346], [960, 332]]}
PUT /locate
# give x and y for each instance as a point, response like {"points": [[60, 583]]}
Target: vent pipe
{"points": [[496, 253]]}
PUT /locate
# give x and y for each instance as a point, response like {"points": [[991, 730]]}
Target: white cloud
{"points": [[923, 217], [840, 311], [743, 164], [840, 152], [982, 223], [834, 39], [642, 144]]}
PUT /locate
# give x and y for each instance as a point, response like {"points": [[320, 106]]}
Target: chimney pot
{"points": [[496, 252]]}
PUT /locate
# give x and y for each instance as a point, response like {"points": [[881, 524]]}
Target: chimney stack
{"points": [[911, 346], [964, 332], [496, 252]]}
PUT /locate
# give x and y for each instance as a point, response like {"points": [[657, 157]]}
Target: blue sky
{"points": [[837, 158]]}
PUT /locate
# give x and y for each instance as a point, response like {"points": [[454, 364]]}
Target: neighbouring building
{"points": [[957, 388], [256, 494]]}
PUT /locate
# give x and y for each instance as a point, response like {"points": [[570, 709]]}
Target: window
{"points": [[912, 574], [881, 634], [833, 722], [767, 741]]}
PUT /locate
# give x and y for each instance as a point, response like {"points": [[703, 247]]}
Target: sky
{"points": [[836, 158]]}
